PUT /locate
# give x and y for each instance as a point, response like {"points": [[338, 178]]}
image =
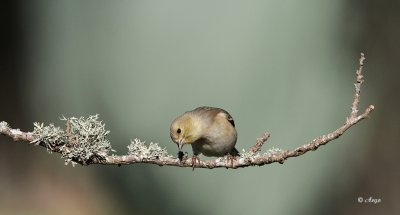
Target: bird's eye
{"points": [[178, 131]]}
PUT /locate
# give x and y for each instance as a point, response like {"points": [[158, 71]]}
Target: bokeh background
{"points": [[286, 67]]}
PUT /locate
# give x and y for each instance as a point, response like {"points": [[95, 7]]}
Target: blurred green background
{"points": [[286, 67]]}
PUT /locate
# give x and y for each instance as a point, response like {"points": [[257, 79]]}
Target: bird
{"points": [[209, 130]]}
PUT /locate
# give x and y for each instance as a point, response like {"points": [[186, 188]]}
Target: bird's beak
{"points": [[180, 144]]}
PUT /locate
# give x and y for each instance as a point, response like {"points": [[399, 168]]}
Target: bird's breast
{"points": [[215, 144]]}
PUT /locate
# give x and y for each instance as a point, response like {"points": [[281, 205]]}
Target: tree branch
{"points": [[84, 142]]}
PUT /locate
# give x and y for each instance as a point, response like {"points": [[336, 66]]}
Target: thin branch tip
{"points": [[362, 58], [371, 107]]}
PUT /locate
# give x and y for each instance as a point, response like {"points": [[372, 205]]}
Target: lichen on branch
{"points": [[83, 140], [142, 151]]}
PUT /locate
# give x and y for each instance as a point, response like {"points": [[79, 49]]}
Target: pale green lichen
{"points": [[274, 151], [139, 149], [83, 140], [270, 152], [50, 135], [3, 124], [247, 154], [86, 139]]}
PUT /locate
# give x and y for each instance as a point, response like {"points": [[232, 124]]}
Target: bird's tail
{"points": [[234, 152]]}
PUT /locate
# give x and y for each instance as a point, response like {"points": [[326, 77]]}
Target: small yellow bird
{"points": [[211, 132]]}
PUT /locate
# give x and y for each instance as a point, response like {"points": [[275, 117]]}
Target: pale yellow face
{"points": [[183, 130]]}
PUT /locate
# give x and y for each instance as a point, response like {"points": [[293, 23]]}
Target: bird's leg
{"points": [[194, 160]]}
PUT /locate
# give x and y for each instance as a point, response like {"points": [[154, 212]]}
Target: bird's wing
{"points": [[229, 118], [215, 111]]}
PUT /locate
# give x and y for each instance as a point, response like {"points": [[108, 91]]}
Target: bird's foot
{"points": [[230, 158], [195, 160]]}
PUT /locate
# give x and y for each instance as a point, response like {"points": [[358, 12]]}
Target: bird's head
{"points": [[184, 130]]}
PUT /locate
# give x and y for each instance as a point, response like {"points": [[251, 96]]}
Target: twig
{"points": [[357, 88], [259, 142], [251, 158]]}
